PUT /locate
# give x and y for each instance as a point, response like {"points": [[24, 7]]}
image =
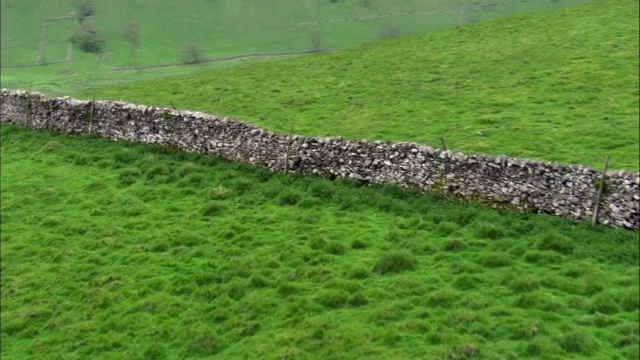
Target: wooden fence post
{"points": [[444, 146], [29, 105], [93, 102], [286, 155], [600, 190]]}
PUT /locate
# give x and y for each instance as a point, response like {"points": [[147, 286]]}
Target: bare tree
{"points": [[132, 34], [191, 53], [316, 41], [390, 32]]}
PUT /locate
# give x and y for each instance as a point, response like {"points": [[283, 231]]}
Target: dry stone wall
{"points": [[564, 190]]}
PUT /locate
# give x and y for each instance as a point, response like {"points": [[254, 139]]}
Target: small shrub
{"points": [[89, 39], [316, 40], [394, 262], [390, 32], [86, 9], [131, 31], [191, 53]]}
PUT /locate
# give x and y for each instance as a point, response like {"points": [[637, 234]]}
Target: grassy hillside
{"points": [[557, 86], [116, 250], [220, 27]]}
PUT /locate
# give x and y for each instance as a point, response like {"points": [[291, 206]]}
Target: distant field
{"points": [[557, 86], [116, 250], [220, 27]]}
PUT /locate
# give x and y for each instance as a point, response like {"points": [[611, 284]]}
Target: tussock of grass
{"points": [[555, 242], [489, 231], [578, 342], [394, 262]]}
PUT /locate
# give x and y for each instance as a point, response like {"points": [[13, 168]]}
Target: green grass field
{"points": [[116, 250], [556, 86], [130, 251], [222, 28]]}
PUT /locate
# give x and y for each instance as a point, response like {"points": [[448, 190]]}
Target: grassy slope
{"points": [[558, 86], [221, 28], [113, 250]]}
